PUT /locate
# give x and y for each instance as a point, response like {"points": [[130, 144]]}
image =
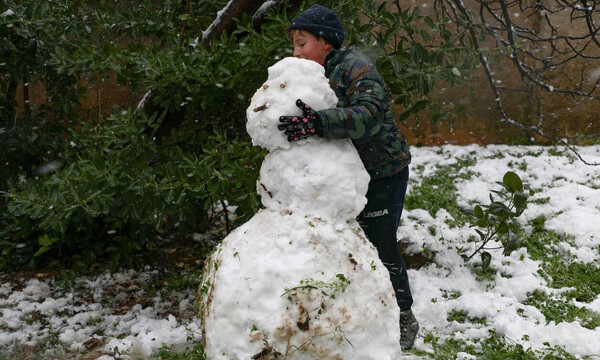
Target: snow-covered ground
{"points": [[109, 315], [573, 208], [36, 310]]}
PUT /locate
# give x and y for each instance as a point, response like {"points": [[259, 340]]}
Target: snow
{"points": [[574, 194], [300, 277], [594, 74], [144, 99], [286, 81], [217, 20], [312, 177], [262, 10], [573, 208], [75, 316]]}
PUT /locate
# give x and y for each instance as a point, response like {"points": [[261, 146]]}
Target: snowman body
{"points": [[300, 280]]}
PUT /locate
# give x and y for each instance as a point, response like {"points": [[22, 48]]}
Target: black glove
{"points": [[303, 126]]}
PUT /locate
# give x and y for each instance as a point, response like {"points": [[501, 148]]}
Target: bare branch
{"points": [[228, 16], [535, 51]]}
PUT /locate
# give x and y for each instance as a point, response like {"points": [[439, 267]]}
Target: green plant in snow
{"points": [[561, 308], [328, 288], [581, 279], [497, 221], [439, 190], [194, 353], [493, 347], [462, 316]]}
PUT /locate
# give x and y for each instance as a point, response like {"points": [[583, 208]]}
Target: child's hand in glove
{"points": [[301, 127]]}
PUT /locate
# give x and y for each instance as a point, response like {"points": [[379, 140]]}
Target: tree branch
{"points": [[549, 52]]}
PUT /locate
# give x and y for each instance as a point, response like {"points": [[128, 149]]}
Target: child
{"points": [[364, 115]]}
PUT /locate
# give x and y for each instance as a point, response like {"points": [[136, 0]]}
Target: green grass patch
{"points": [[439, 191], [195, 353], [494, 347], [558, 270], [496, 155], [541, 201], [531, 153], [562, 272], [522, 165], [561, 310], [461, 316], [554, 151]]}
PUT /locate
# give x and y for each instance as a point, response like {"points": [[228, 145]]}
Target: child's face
{"points": [[307, 46]]}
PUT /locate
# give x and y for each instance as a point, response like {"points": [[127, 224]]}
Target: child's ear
{"points": [[327, 46]]}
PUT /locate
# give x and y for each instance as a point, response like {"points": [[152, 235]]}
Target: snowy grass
{"points": [[540, 302]]}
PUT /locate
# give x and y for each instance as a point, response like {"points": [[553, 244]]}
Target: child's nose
{"points": [[297, 53]]}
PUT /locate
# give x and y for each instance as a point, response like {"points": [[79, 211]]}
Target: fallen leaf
{"points": [[94, 343]]}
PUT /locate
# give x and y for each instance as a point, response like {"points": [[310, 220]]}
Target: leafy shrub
{"points": [[78, 190], [412, 50], [498, 220], [116, 188]]}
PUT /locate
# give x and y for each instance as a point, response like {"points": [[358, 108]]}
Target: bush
{"points": [[78, 191], [116, 188]]}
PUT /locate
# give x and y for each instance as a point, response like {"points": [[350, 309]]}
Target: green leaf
{"points": [[46, 241], [447, 35], [512, 181], [482, 223], [429, 21], [41, 251], [486, 259], [499, 209], [481, 234], [404, 116], [420, 105], [478, 211], [520, 202], [511, 242]]}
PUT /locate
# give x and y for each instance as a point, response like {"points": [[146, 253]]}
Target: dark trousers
{"points": [[379, 220]]}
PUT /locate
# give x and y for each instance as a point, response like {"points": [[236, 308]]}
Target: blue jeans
{"points": [[379, 220]]}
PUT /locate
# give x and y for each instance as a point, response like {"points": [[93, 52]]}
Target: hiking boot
{"points": [[409, 327]]}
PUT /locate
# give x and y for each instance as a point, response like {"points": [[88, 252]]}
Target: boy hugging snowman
{"points": [[300, 279]]}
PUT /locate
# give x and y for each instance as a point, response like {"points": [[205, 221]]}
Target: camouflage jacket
{"points": [[363, 113]]}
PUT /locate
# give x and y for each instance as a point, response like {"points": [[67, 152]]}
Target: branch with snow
{"points": [[534, 54]]}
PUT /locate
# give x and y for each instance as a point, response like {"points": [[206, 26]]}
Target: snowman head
{"points": [[289, 79]]}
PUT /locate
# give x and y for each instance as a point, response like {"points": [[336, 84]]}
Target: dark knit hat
{"points": [[321, 22]]}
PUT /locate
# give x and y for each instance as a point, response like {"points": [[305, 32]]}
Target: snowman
{"points": [[299, 280]]}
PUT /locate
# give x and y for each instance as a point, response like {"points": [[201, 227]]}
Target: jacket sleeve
{"points": [[363, 117]]}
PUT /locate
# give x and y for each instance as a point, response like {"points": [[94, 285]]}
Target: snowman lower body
{"points": [[295, 287]]}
